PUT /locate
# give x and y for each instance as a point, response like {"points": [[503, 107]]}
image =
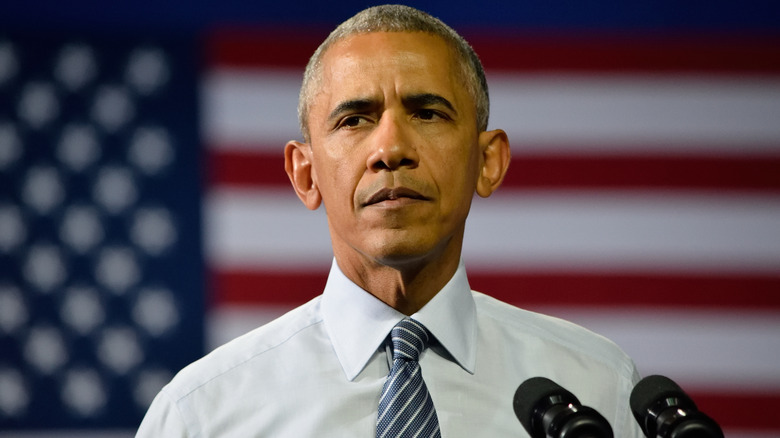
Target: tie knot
{"points": [[409, 339]]}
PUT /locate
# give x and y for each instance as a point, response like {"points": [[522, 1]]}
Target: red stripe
{"points": [[533, 290], [630, 53], [718, 173], [235, 168], [622, 52], [740, 410], [631, 290], [256, 287], [241, 168], [285, 47]]}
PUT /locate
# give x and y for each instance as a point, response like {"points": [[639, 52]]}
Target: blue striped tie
{"points": [[406, 408]]}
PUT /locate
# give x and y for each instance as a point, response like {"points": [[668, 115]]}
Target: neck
{"points": [[406, 287]]}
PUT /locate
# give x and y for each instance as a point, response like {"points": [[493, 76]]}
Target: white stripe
{"points": [[645, 231], [529, 231], [264, 228], [726, 350], [702, 350], [541, 113], [242, 107], [656, 112]]}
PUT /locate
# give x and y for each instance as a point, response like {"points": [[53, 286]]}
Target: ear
{"points": [[298, 165], [495, 161]]}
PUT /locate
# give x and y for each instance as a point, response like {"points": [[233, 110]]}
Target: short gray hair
{"points": [[398, 18]]}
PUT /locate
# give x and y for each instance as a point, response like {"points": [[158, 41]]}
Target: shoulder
{"points": [[252, 347], [524, 326]]}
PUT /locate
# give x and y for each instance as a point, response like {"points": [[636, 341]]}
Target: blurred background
{"points": [[145, 216]]}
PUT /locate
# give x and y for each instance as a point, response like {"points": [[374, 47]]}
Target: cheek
{"points": [[336, 183], [456, 168]]}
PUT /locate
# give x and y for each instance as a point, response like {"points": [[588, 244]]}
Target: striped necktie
{"points": [[405, 407]]}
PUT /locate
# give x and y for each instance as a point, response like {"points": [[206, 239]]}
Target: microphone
{"points": [[547, 410], [663, 410]]}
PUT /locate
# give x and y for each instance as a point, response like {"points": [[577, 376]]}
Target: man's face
{"points": [[395, 151]]}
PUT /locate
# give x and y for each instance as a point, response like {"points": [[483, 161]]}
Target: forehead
{"points": [[365, 64]]}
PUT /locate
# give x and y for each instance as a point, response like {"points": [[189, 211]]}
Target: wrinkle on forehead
{"points": [[418, 64]]}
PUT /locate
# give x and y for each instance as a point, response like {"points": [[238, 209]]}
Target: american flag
{"points": [[643, 201], [101, 271]]}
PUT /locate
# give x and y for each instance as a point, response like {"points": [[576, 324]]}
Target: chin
{"points": [[399, 252]]}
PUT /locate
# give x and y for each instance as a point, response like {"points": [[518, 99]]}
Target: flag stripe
{"points": [[537, 231], [536, 289], [252, 48], [724, 349], [619, 114], [739, 410], [243, 168]]}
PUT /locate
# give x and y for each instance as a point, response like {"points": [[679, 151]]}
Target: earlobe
{"points": [[495, 161], [298, 165]]}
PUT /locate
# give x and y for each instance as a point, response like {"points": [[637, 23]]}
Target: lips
{"points": [[392, 194]]}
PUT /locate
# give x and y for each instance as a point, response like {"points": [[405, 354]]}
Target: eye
{"points": [[430, 114], [352, 122], [426, 114]]}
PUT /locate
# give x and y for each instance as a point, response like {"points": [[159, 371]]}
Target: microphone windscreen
{"points": [[533, 391], [652, 389]]}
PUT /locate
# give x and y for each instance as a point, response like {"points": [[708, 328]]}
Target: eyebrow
{"points": [[423, 100], [353, 105], [413, 101]]}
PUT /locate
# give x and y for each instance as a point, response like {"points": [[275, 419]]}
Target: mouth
{"points": [[394, 194]]}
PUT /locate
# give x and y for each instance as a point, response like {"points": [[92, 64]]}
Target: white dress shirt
{"points": [[318, 370]]}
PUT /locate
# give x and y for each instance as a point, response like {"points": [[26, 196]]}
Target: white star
{"points": [[82, 309], [78, 147], [84, 392], [156, 311], [153, 230], [45, 349], [119, 349], [81, 228], [12, 228], [43, 189], [13, 310], [150, 149], [9, 62], [10, 145], [115, 189], [112, 108], [147, 70], [75, 66], [39, 104], [44, 267], [117, 269], [148, 384], [14, 395]]}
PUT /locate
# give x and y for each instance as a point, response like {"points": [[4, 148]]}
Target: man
{"points": [[394, 113]]}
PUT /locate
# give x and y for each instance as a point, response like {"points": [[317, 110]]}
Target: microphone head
{"points": [[663, 409], [536, 395], [654, 389]]}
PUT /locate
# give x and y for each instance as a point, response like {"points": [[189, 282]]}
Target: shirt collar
{"points": [[358, 323]]}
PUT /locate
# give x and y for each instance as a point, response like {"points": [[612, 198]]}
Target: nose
{"points": [[392, 147]]}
